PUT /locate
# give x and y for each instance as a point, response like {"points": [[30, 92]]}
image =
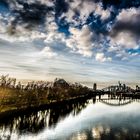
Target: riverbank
{"points": [[66, 116], [16, 100], [16, 97]]}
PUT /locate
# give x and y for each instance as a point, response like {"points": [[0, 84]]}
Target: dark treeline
{"points": [[13, 94]]}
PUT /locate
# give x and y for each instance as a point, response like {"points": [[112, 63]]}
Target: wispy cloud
{"points": [[79, 39]]}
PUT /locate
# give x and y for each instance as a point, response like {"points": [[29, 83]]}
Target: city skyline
{"points": [[80, 41]]}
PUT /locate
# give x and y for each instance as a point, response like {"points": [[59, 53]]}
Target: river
{"points": [[103, 119]]}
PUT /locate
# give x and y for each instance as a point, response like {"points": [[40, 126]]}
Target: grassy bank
{"points": [[17, 99]]}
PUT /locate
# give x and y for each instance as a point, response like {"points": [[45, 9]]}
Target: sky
{"points": [[82, 41]]}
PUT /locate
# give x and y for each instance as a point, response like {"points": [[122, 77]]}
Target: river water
{"points": [[101, 119]]}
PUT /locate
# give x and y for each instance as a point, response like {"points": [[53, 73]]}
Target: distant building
{"points": [[124, 87], [94, 86], [60, 83], [120, 85], [137, 87]]}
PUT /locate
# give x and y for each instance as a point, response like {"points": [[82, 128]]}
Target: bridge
{"points": [[117, 95], [117, 101]]}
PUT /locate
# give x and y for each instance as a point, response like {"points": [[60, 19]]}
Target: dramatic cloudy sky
{"points": [[79, 40]]}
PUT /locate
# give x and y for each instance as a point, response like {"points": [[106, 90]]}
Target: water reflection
{"points": [[34, 122], [96, 118]]}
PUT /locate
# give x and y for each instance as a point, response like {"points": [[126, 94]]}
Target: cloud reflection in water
{"points": [[96, 121]]}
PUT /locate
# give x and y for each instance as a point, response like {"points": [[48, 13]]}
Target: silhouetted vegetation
{"points": [[14, 95]]}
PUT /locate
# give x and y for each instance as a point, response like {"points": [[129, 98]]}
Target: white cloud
{"points": [[51, 26], [128, 14], [113, 48], [2, 28], [15, 5], [103, 13], [21, 34], [101, 57], [125, 31], [125, 39], [52, 33], [47, 53], [84, 8], [18, 33], [118, 51], [81, 41], [49, 3], [5, 23]]}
